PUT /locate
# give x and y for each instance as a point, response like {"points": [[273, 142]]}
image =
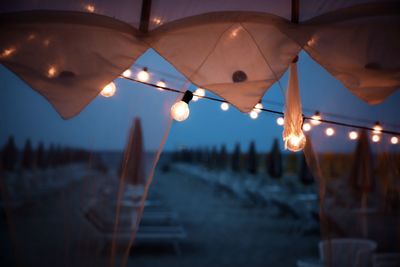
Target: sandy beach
{"points": [[221, 229]]}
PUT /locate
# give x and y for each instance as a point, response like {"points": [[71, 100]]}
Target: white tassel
{"points": [[293, 135]]}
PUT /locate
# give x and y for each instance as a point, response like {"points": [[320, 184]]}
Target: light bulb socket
{"points": [[317, 113], [145, 69], [187, 96]]}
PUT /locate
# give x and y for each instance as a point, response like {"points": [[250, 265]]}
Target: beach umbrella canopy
{"points": [[69, 50]]}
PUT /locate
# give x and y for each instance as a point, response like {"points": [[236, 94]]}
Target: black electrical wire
{"points": [[265, 109]]}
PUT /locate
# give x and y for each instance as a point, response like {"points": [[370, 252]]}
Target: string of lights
{"points": [[180, 110], [200, 93], [313, 118]]}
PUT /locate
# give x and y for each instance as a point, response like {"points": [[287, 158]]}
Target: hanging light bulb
{"points": [[353, 135], [51, 72], [394, 140], [377, 128], [199, 93], [143, 75], [280, 121], [306, 127], [90, 8], [127, 73], [109, 90], [161, 85], [258, 107], [180, 110], [376, 138], [316, 119], [329, 131], [295, 142], [7, 52], [253, 114], [224, 106]]}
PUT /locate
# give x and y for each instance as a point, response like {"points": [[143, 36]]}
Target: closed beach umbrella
{"points": [[274, 162], [133, 165], [361, 179]]}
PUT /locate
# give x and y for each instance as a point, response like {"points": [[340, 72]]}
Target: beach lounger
{"points": [[157, 225]]}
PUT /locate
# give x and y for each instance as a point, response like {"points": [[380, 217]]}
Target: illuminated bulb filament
{"points": [[51, 72], [377, 128], [143, 75], [127, 73], [224, 106], [394, 140], [353, 135], [280, 121], [89, 8], [161, 84], [306, 127], [180, 111], [200, 92], [376, 138], [295, 142], [253, 114], [315, 119], [258, 107], [329, 131], [157, 21], [7, 52], [109, 90]]}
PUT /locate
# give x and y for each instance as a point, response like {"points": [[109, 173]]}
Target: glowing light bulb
{"points": [[280, 121], [376, 138], [161, 84], [51, 72], [200, 92], [89, 8], [109, 90], [224, 106], [394, 140], [295, 142], [143, 75], [195, 98], [258, 107], [157, 21], [253, 114], [235, 32], [7, 52], [377, 128], [306, 127], [127, 73], [353, 135], [180, 111], [329, 131], [316, 119]]}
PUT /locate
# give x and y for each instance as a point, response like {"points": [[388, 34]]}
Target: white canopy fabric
{"points": [[236, 49], [67, 57]]}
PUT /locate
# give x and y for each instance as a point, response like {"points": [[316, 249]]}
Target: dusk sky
{"points": [[105, 122]]}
